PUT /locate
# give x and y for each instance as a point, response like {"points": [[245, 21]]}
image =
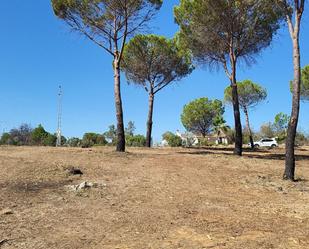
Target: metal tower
{"points": [[58, 142]]}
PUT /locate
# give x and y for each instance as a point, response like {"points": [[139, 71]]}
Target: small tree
{"points": [[198, 115], [50, 140], [281, 125], [108, 23], [130, 129], [5, 138], [293, 8], [38, 135], [21, 135], [250, 95], [222, 32], [154, 62], [111, 135]]}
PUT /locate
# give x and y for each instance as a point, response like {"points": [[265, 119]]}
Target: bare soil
{"points": [[152, 198]]}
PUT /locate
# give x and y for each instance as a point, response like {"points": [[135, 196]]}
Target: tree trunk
{"points": [[249, 128], [149, 120], [121, 142], [238, 129], [289, 172]]}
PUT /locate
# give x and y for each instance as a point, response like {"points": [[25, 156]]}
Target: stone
{"points": [[87, 185]]}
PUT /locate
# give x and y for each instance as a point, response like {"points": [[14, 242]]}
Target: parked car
{"points": [[266, 142]]}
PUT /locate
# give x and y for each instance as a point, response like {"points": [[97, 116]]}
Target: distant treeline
{"points": [[25, 135]]}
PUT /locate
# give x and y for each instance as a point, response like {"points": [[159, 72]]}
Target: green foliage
{"points": [[167, 135], [39, 135], [74, 142], [153, 62], [25, 135], [280, 126], [304, 85], [281, 121], [205, 142], [198, 116], [219, 125], [111, 135], [50, 140], [5, 138], [130, 129], [249, 94], [131, 139], [209, 28], [172, 139], [277, 129], [96, 19], [90, 139], [136, 140]]}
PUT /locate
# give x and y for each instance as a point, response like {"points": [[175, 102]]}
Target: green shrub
{"points": [[205, 142], [5, 139], [39, 135], [90, 139], [136, 140], [172, 139], [50, 140], [74, 142]]}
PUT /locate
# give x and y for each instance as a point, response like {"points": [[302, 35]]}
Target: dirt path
{"points": [[160, 198]]}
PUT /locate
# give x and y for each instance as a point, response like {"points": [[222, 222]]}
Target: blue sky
{"points": [[39, 52]]}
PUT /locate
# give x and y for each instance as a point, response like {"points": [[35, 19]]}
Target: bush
{"points": [[205, 142], [136, 140], [90, 139], [5, 139], [50, 140], [172, 139], [74, 142], [175, 141]]}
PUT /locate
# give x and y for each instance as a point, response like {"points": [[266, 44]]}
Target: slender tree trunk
{"points": [[149, 120], [289, 172], [238, 129], [249, 128], [121, 142]]}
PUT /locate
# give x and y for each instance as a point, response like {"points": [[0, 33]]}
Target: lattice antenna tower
{"points": [[59, 134]]}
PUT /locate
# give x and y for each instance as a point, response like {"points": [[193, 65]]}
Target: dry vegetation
{"points": [[158, 198]]}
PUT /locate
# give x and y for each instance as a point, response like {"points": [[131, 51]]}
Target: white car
{"points": [[266, 142]]}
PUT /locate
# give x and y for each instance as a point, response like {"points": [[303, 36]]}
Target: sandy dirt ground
{"points": [[152, 198]]}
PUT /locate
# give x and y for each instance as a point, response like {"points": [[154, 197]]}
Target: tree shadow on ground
{"points": [[249, 153]]}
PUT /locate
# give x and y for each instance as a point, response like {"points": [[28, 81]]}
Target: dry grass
{"points": [[158, 198]]}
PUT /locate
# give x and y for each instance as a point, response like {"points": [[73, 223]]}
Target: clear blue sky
{"points": [[38, 52]]}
